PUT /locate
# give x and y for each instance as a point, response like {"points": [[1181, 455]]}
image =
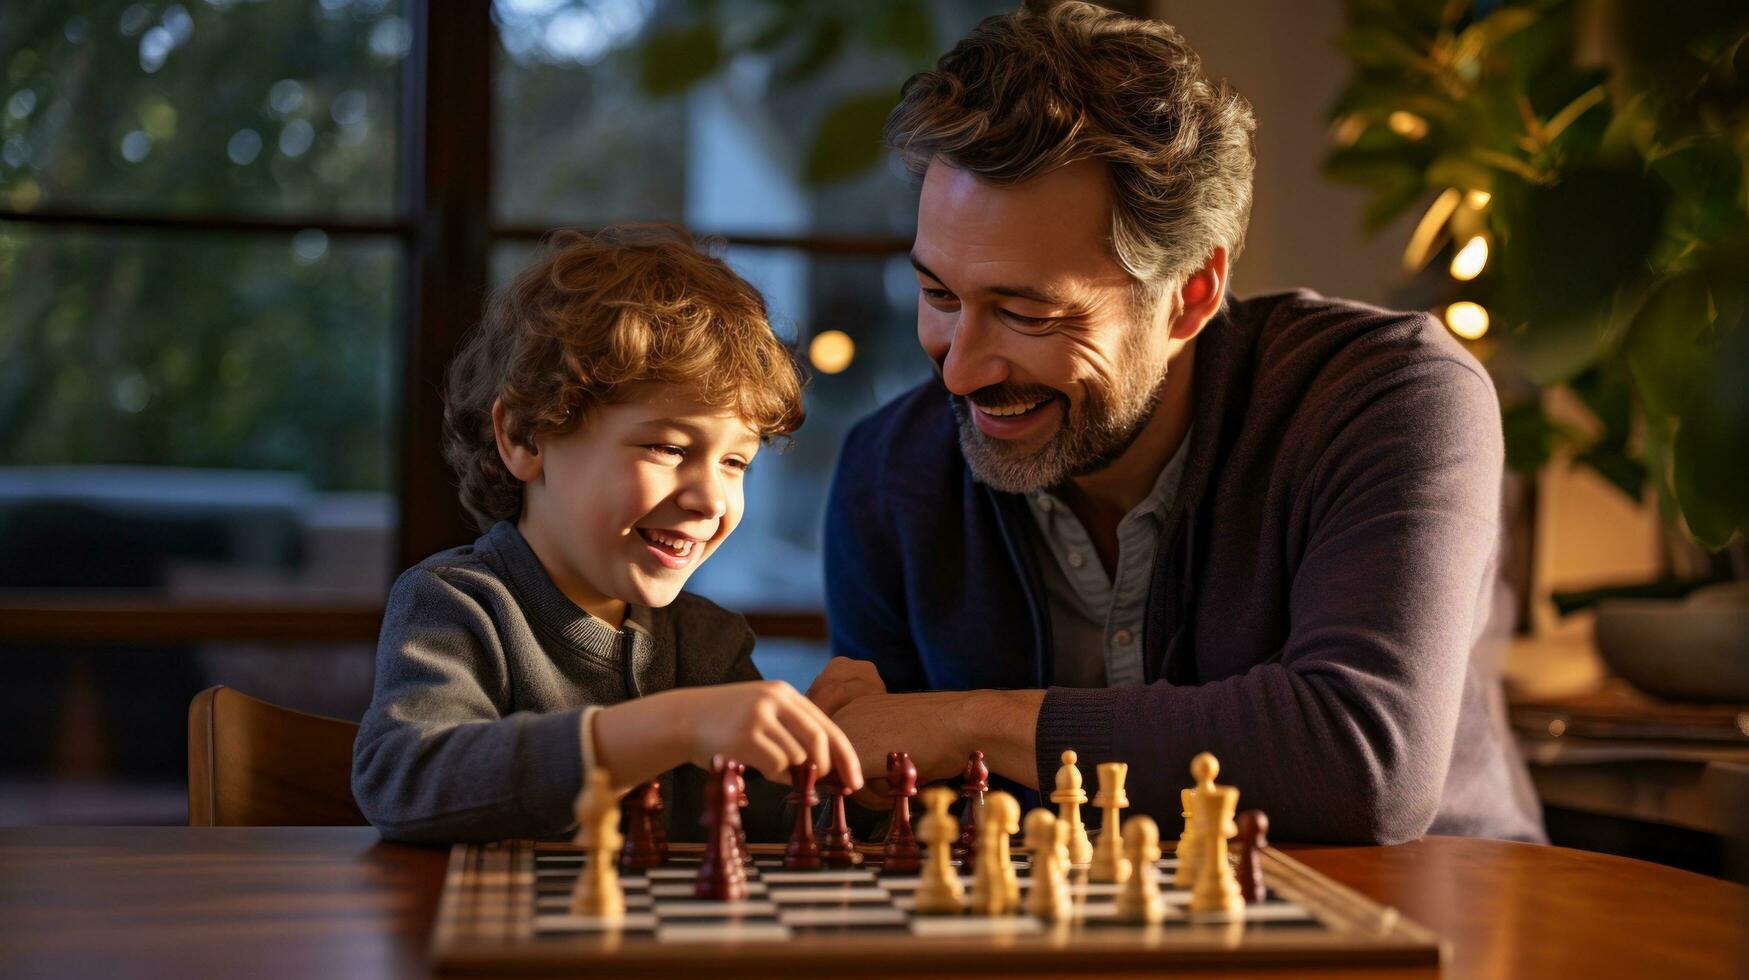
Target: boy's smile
{"points": [[623, 508]]}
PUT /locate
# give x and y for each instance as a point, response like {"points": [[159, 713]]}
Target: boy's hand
{"points": [[843, 681], [768, 726]]}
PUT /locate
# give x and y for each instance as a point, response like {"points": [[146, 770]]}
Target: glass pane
{"points": [[198, 416], [596, 121], [773, 561], [252, 108]]}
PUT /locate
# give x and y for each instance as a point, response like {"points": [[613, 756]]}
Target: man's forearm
{"points": [[1003, 724]]}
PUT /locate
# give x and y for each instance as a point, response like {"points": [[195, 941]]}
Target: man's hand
{"points": [[940, 729], [843, 681]]}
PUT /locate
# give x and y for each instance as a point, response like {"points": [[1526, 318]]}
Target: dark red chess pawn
{"points": [[901, 853], [740, 770], [838, 850], [640, 849], [802, 854], [720, 875], [1253, 836], [974, 783], [654, 807]]}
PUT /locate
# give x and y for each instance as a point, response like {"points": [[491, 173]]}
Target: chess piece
{"points": [[1047, 840], [1253, 837], [900, 855], [1069, 796], [654, 805], [597, 892], [801, 854], [720, 874], [839, 849], [974, 783], [640, 809], [1185, 875], [740, 771], [939, 892], [1138, 898], [1109, 863], [1216, 888], [995, 886]]}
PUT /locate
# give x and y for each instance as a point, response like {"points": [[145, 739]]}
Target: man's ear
{"points": [[523, 461], [1199, 299]]}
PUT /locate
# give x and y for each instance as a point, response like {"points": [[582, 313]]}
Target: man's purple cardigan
{"points": [[1321, 581]]}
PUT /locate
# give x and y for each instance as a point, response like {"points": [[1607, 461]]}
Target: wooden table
{"points": [[336, 902]]}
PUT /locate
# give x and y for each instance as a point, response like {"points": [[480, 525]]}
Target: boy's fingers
{"points": [[791, 749], [768, 757], [810, 734], [842, 754]]}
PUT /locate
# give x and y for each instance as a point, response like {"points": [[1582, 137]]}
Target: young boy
{"points": [[601, 421]]}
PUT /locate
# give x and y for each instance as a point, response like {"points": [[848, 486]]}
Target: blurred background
{"points": [[239, 240]]}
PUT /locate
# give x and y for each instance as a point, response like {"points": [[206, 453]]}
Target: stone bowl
{"points": [[1695, 649]]}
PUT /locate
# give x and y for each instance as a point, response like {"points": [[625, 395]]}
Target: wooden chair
{"points": [[255, 764]]}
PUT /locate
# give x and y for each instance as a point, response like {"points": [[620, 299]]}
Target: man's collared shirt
{"points": [[1096, 622]]}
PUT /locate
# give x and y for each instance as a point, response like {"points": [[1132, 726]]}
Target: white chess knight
{"points": [[939, 892], [1217, 888], [1047, 840], [597, 892], [1069, 796]]}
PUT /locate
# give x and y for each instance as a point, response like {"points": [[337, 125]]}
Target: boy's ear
{"points": [[522, 461]]}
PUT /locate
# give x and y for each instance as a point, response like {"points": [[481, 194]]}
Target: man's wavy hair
{"points": [[584, 323], [1051, 84]]}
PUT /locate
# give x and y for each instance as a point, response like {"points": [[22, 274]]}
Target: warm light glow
{"points": [[1349, 128], [1477, 200], [831, 351], [1430, 232], [1468, 263], [1407, 124], [1466, 319]]}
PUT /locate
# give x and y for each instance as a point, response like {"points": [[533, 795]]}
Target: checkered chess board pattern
{"points": [[505, 908], [783, 905]]}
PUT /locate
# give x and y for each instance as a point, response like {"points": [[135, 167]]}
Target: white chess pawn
{"points": [[1109, 863], [1217, 888], [1185, 875], [1069, 796], [939, 892], [1139, 899], [995, 886], [597, 892], [1047, 841]]}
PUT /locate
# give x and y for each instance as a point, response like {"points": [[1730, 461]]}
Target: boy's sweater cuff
{"points": [[1076, 718]]}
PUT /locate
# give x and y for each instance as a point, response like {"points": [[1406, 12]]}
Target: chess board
{"points": [[505, 909]]}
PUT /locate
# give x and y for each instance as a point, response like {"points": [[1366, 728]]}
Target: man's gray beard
{"points": [[1081, 445]]}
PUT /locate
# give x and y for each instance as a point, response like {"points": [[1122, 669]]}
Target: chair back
{"points": [[255, 764]]}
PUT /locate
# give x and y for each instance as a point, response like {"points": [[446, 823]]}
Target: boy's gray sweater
{"points": [[483, 670]]}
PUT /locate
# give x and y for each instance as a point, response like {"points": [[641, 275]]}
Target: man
{"points": [[1141, 519]]}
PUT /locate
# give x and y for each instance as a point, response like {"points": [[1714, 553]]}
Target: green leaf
{"points": [[673, 60], [906, 26], [849, 139], [1663, 349], [1711, 467], [1577, 242]]}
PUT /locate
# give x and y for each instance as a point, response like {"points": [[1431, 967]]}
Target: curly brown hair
{"points": [[1028, 92], [589, 318]]}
